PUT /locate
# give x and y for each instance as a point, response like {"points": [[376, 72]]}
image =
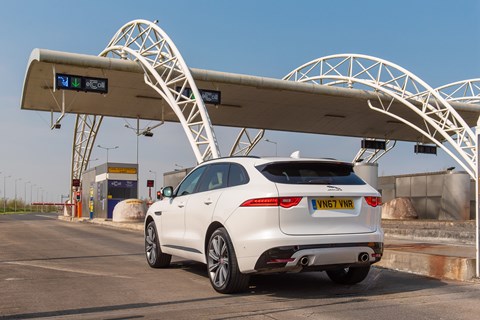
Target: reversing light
{"points": [[288, 202], [284, 202], [373, 201]]}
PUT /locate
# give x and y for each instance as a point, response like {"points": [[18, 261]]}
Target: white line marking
{"points": [[44, 216], [90, 273]]}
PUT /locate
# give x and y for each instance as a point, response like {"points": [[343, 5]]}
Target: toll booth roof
{"points": [[246, 101]]}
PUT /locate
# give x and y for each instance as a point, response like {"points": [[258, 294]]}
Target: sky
{"points": [[435, 40]]}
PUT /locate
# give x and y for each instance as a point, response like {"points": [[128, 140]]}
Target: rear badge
{"points": [[333, 188]]}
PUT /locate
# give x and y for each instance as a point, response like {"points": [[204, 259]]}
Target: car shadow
{"points": [[315, 285]]}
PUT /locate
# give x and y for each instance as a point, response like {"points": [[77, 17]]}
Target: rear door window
{"points": [[215, 177], [310, 173], [237, 175]]}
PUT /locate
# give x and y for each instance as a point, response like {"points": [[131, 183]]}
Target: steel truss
{"points": [[86, 128], [392, 83], [245, 143], [167, 73], [467, 91]]}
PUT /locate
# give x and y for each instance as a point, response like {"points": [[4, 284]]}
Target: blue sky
{"points": [[436, 40]]}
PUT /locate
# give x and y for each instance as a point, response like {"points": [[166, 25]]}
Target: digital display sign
{"points": [[81, 83], [208, 96], [373, 144], [427, 149]]}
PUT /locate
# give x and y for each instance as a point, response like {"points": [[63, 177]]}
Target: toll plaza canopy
{"points": [[246, 101]]}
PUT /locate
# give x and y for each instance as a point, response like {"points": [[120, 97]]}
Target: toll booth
{"points": [[106, 185]]}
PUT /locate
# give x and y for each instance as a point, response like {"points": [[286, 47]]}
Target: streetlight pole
{"points": [[276, 154], [107, 148], [38, 198], [5, 193], [25, 194], [41, 198], [31, 198], [137, 133], [16, 193]]}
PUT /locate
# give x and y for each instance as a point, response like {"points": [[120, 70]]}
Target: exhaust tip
{"points": [[304, 261], [363, 257]]}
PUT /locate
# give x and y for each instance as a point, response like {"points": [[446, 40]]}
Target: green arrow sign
{"points": [[76, 83]]}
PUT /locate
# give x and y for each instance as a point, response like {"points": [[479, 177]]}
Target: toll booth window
{"points": [[122, 193]]}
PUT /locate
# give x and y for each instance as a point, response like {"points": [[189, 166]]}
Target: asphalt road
{"points": [[62, 270]]}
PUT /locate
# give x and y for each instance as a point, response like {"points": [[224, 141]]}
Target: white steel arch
{"points": [[167, 73], [392, 83], [86, 128], [467, 91]]}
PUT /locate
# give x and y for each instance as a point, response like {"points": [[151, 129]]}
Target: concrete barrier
{"points": [[400, 208], [130, 210]]}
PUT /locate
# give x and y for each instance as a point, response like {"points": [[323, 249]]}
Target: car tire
{"points": [[350, 275], [222, 264], [155, 257]]}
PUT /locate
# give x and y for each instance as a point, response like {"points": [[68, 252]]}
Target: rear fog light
{"points": [[280, 260]]}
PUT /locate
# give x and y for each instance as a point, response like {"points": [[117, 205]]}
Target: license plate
{"points": [[329, 204]]}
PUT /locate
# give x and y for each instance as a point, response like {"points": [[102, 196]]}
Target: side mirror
{"points": [[167, 192]]}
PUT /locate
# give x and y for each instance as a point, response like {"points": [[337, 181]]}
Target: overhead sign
{"points": [[80, 83], [208, 96], [122, 170], [428, 149], [373, 144]]}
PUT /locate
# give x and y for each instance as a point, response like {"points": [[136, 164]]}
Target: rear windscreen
{"points": [[310, 173]]}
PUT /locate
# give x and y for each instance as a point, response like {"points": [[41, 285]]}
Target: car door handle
{"points": [[181, 205], [208, 201]]}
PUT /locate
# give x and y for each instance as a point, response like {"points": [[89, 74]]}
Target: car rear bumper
{"points": [[319, 256], [285, 253]]}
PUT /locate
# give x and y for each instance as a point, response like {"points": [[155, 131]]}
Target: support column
{"points": [[477, 201]]}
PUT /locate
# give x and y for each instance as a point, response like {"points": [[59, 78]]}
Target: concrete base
{"points": [[451, 232], [429, 259]]}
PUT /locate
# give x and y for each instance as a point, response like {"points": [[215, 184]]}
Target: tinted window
{"points": [[215, 177], [190, 182], [310, 173], [237, 175]]}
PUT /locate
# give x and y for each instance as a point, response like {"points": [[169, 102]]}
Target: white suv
{"points": [[246, 215]]}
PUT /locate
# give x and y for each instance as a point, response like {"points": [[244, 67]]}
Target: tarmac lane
{"points": [[54, 269]]}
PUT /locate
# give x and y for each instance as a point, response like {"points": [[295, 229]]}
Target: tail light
{"points": [[284, 202], [373, 201]]}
